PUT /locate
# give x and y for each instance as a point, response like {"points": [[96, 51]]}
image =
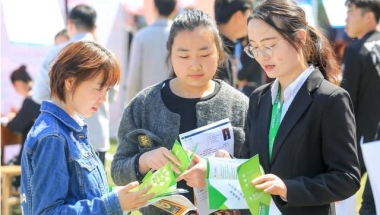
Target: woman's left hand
{"points": [[271, 184]]}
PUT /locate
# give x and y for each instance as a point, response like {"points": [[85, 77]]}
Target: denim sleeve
{"points": [[49, 184]]}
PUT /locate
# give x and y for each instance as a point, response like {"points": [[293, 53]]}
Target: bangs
{"points": [[111, 74], [109, 67]]}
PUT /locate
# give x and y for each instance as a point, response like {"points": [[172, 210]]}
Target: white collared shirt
{"points": [[292, 90]]}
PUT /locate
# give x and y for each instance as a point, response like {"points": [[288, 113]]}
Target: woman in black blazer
{"points": [[301, 125]]}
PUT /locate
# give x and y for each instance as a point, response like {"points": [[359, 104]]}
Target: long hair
{"points": [[287, 18]]}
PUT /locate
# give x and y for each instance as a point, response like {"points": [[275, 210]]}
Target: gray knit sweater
{"points": [[147, 114]]}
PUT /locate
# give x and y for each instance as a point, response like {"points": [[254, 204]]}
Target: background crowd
{"points": [[230, 58]]}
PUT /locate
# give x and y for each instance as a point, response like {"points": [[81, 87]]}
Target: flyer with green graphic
{"points": [[258, 201], [229, 185], [163, 180], [182, 156], [223, 186]]}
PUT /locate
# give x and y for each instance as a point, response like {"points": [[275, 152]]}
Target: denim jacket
{"points": [[61, 173]]}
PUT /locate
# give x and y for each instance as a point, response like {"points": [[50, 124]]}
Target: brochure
{"points": [[164, 185], [182, 156], [229, 185], [223, 186], [258, 201], [205, 141], [174, 204]]}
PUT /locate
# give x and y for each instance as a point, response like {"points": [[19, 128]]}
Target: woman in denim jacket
{"points": [[61, 173]]}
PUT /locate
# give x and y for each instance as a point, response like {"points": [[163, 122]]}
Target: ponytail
{"points": [[322, 55]]}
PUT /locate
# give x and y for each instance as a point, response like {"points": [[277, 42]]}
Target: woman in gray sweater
{"points": [[152, 121]]}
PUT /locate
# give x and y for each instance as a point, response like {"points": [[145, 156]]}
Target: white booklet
{"points": [[207, 140], [173, 204], [223, 186], [372, 159]]}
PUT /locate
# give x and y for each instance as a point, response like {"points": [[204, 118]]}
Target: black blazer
{"points": [[362, 81], [314, 152]]}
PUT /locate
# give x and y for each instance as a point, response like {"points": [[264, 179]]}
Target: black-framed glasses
{"points": [[266, 51]]}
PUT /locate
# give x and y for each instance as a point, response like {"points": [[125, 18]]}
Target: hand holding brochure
{"points": [[205, 141], [182, 156], [222, 184], [163, 180], [229, 185], [164, 185], [258, 201]]}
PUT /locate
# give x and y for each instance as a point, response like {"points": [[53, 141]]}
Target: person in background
{"points": [[81, 25], [147, 55], [190, 99], [360, 76], [61, 37], [250, 73], [301, 125], [22, 120], [231, 17], [60, 171]]}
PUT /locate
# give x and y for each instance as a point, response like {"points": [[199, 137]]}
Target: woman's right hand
{"points": [[157, 158], [133, 200], [221, 153]]}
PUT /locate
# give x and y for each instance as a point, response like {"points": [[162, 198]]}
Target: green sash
{"points": [[275, 121]]}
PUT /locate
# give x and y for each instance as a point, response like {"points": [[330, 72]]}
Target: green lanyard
{"points": [[275, 121]]}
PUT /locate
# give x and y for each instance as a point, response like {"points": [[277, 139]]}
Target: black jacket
{"points": [[362, 82], [314, 151], [24, 120]]}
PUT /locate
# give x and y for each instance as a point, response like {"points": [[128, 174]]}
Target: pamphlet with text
{"points": [[229, 185], [258, 201], [205, 141]]}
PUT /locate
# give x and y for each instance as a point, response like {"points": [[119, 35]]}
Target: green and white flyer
{"points": [[163, 181], [229, 185], [258, 201], [223, 186], [182, 156]]}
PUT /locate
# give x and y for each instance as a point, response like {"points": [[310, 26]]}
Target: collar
{"points": [[81, 36], [162, 22], [76, 124], [293, 88], [368, 34], [229, 45]]}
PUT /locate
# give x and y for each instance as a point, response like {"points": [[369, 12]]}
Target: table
{"points": [[7, 198]]}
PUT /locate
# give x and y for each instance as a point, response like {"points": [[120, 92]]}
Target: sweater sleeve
{"points": [[123, 166]]}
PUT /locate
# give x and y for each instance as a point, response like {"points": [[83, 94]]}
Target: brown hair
{"points": [[83, 60], [287, 18]]}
